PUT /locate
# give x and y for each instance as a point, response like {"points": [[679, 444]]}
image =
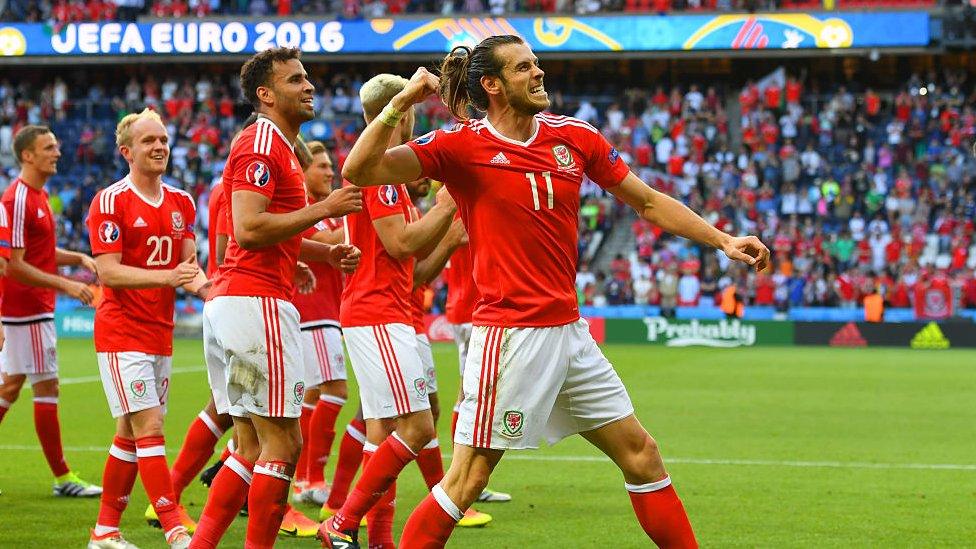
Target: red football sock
{"points": [[228, 450], [198, 446], [384, 467], [4, 407], [227, 495], [267, 502], [48, 429], [454, 418], [431, 523], [350, 456], [430, 463], [322, 433], [119, 477], [303, 422], [379, 521], [661, 514], [151, 453]]}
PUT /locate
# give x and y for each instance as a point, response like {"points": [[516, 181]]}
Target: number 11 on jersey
{"points": [[535, 189]]}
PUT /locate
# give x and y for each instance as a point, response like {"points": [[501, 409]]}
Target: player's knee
{"points": [[417, 432], [337, 389], [643, 460]]}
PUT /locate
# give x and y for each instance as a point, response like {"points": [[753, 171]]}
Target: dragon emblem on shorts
{"points": [[513, 421], [138, 387], [420, 384], [299, 392]]}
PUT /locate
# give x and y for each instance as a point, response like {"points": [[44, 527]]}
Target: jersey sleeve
{"points": [[4, 234], [603, 163], [434, 150], [384, 201], [16, 210], [190, 214], [104, 229], [255, 172]]}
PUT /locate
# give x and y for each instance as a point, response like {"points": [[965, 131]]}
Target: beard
{"points": [[522, 103]]}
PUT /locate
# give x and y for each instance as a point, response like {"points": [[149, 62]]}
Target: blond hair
{"points": [[378, 91], [315, 147], [123, 132]]}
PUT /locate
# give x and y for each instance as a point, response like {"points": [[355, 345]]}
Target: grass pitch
{"points": [[773, 447]]}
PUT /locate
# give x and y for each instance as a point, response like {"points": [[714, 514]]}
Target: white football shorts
{"points": [[253, 351], [427, 359], [462, 336], [525, 384], [30, 349], [323, 355], [134, 381], [391, 376]]}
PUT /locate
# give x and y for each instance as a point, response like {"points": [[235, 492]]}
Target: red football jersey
{"points": [[520, 205], [262, 161], [31, 228], [4, 242], [217, 214], [321, 307], [378, 292], [149, 235], [462, 293]]}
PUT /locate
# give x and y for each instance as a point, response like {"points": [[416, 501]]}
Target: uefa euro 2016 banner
{"points": [[391, 36]]}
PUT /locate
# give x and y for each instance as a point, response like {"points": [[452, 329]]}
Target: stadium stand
{"points": [[852, 189]]}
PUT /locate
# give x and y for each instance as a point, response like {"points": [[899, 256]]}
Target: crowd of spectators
{"points": [[61, 12], [854, 191]]}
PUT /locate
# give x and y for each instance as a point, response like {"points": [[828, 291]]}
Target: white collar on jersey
{"points": [[264, 119], [155, 204], [497, 134]]}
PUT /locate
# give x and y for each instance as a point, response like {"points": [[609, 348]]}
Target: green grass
{"points": [[775, 447]]}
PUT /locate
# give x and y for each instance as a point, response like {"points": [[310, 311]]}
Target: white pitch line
{"points": [[679, 460], [93, 379]]}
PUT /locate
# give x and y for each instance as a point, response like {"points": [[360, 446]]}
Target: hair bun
{"points": [[465, 49]]}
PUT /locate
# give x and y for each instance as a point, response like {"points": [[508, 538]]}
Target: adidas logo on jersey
{"points": [[140, 222], [500, 158]]}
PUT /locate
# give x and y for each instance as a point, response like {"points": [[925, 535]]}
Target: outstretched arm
{"points": [[676, 218]]}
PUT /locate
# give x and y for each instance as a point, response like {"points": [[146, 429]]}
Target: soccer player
{"points": [[251, 329], [30, 352], [533, 368], [377, 323], [141, 233], [324, 359]]}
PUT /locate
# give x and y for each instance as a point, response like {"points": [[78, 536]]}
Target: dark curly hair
{"points": [[257, 70]]}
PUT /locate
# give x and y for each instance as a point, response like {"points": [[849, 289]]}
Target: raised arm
{"points": [[370, 162], [676, 218]]}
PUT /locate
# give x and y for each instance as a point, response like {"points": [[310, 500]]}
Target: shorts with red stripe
{"points": [[391, 376], [522, 385], [134, 381], [322, 355], [31, 348], [253, 350]]}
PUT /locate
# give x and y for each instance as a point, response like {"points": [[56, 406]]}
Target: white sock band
{"points": [[119, 453], [332, 399], [356, 434], [271, 472], [369, 447], [432, 444], [308, 406], [217, 431], [442, 499], [649, 487], [4, 403], [46, 400], [405, 445], [230, 445], [238, 468], [150, 451]]}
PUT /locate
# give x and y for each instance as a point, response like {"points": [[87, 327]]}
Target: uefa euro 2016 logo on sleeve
{"points": [[108, 232], [389, 195], [258, 174]]}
